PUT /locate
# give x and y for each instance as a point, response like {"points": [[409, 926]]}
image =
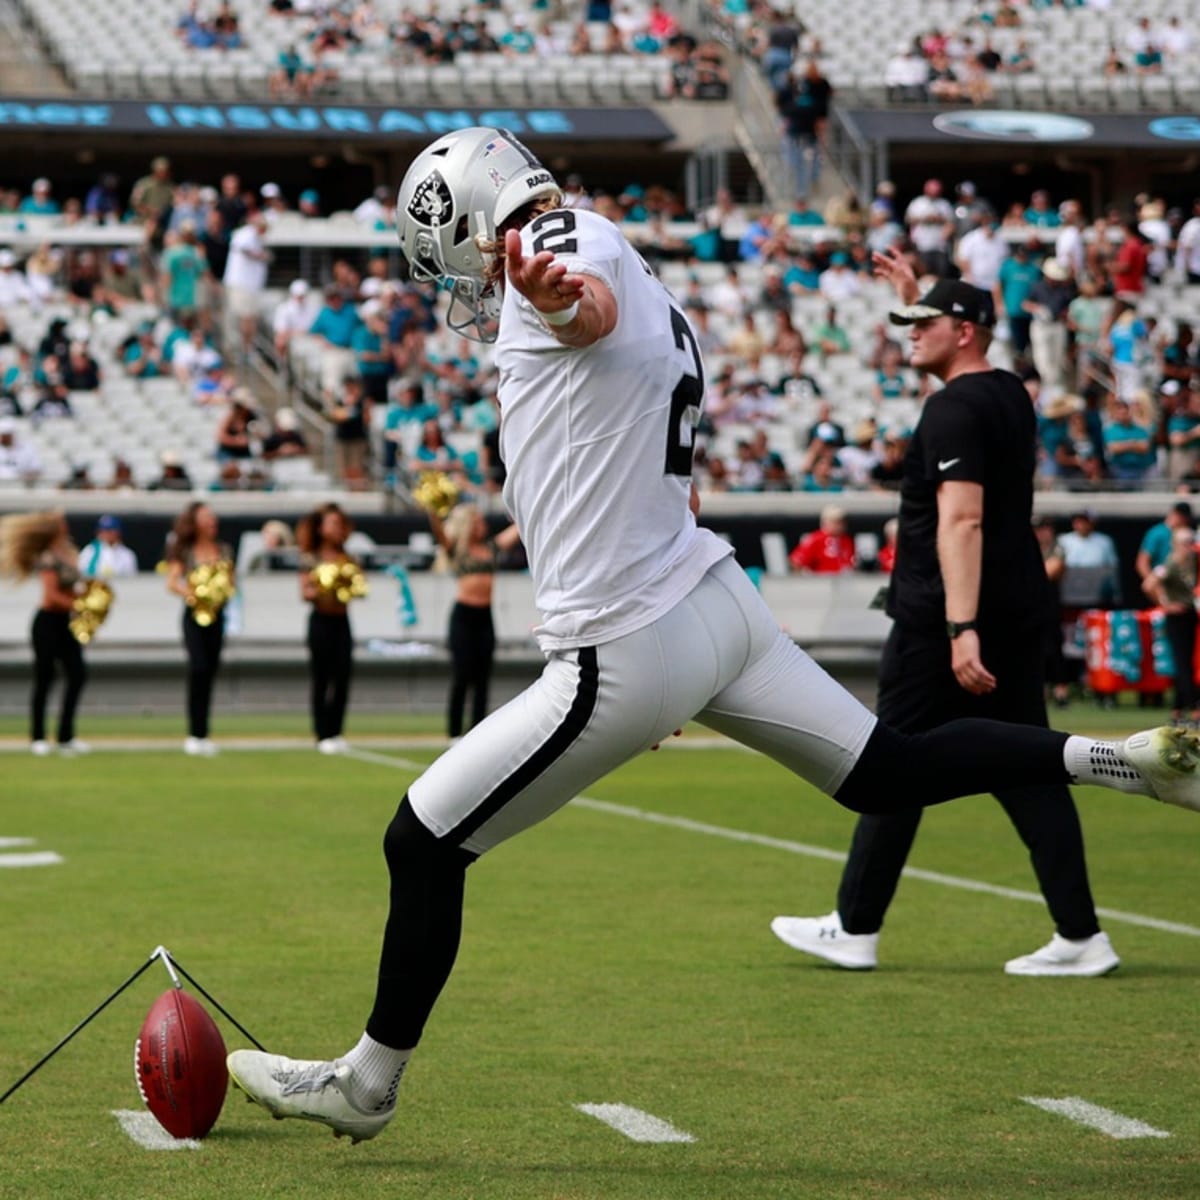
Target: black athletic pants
{"points": [[203, 644], [472, 647], [53, 642], [918, 693], [1181, 633], [330, 657]]}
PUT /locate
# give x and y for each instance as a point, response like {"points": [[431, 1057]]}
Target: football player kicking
{"points": [[648, 622]]}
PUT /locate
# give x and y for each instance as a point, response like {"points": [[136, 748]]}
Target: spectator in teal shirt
{"points": [[40, 203], [1018, 273], [337, 320], [802, 275], [1128, 447], [183, 266], [1156, 545], [373, 351], [1040, 213]]}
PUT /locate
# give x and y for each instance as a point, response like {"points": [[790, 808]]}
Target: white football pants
{"points": [[718, 657]]}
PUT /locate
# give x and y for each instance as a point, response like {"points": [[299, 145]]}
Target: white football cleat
{"points": [[331, 745], [1060, 956], [40, 748], [825, 938], [311, 1091], [1167, 758], [200, 747], [74, 747]]}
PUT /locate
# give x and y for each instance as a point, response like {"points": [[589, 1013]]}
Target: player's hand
{"points": [[544, 282], [968, 666], [893, 265]]}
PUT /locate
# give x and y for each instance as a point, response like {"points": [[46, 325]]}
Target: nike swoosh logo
{"points": [[947, 464]]}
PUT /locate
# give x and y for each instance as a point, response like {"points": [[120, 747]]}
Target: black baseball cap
{"points": [[949, 298]]}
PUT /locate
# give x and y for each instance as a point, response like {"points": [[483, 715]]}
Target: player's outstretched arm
{"points": [[578, 309]]}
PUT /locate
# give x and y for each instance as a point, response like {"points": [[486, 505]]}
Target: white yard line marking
{"points": [[383, 760], [233, 745], [142, 1128], [39, 858], [636, 1125], [1095, 1117], [952, 881], [802, 848], [6, 843]]}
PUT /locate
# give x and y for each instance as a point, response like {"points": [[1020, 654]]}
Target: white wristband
{"points": [[563, 317]]}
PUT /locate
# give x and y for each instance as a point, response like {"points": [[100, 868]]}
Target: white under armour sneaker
{"points": [[312, 1091], [1085, 958], [1167, 758], [825, 937]]}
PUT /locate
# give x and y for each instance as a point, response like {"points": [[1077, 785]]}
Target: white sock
{"points": [[1091, 761], [377, 1070]]}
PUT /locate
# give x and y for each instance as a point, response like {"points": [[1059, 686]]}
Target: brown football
{"points": [[179, 1062]]}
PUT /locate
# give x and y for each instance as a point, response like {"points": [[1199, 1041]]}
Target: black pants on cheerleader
{"points": [[203, 644], [472, 648], [331, 658], [53, 642]]}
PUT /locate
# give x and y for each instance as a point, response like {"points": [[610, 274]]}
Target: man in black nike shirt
{"points": [[967, 599]]}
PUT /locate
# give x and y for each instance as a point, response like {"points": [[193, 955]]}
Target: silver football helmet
{"points": [[455, 195]]}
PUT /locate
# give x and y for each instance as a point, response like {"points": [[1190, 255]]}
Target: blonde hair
{"points": [[24, 537], [493, 251], [460, 526]]}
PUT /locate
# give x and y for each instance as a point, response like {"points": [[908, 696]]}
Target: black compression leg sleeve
{"points": [[962, 758], [420, 941]]}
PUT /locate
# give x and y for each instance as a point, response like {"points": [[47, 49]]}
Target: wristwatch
{"points": [[954, 628]]}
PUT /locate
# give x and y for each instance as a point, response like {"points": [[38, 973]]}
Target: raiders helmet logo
{"points": [[432, 203]]}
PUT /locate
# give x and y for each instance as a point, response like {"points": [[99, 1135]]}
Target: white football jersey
{"points": [[598, 444]]}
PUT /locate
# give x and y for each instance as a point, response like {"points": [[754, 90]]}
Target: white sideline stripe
{"points": [[1095, 1117], [383, 760], [144, 1129], [952, 881], [5, 843], [39, 858], [636, 1125], [789, 847]]}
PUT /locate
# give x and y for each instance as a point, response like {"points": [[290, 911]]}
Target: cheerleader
{"points": [[194, 545], [321, 538], [41, 542], [471, 555]]}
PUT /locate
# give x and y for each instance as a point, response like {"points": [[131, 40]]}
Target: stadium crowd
{"points": [[808, 387]]}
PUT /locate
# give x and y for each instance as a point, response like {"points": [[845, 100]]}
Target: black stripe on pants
{"points": [[203, 644], [330, 660], [919, 695], [53, 642], [472, 647]]}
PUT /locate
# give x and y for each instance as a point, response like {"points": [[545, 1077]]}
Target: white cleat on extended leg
{"points": [[825, 938], [311, 1091], [1167, 759]]}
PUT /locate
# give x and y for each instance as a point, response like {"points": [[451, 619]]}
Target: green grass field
{"points": [[605, 960]]}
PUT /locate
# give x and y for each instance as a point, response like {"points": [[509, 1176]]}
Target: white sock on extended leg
{"points": [[1090, 761], [377, 1072]]}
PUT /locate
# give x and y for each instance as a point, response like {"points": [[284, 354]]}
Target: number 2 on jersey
{"points": [[686, 401]]}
